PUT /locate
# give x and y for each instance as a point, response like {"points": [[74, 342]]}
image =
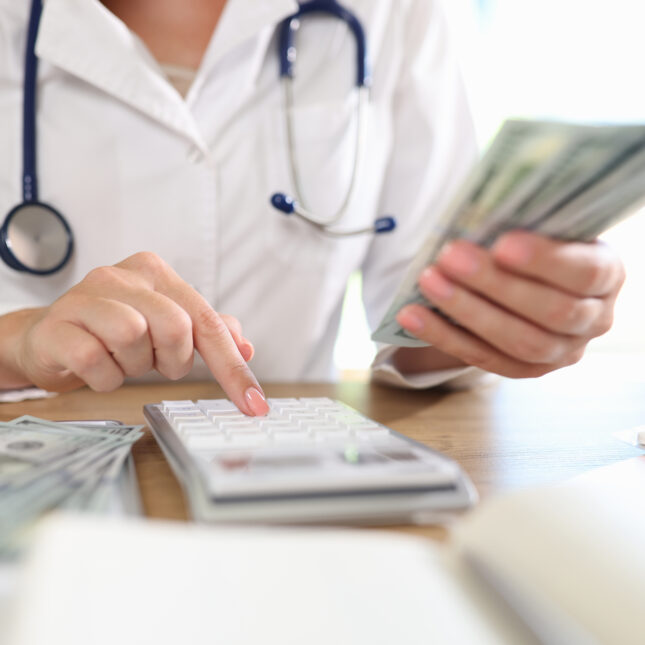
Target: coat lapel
{"points": [[85, 39]]}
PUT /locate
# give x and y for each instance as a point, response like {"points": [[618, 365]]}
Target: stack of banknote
{"points": [[567, 181], [46, 465]]}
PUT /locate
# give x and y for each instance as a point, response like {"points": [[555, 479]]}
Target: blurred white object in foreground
{"points": [[569, 561]]}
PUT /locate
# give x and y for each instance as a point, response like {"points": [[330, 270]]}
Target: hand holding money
{"points": [[513, 260], [525, 307]]}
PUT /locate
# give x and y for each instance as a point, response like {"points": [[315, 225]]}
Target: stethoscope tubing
{"points": [[362, 97], [29, 174], [291, 25], [287, 51]]}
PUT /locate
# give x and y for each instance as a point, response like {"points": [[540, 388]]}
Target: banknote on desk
{"points": [[44, 465], [564, 180]]}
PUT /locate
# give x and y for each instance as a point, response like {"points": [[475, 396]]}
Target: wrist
{"points": [[13, 329]]}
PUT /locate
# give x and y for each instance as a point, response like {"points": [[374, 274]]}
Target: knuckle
{"points": [[138, 370], [574, 356], [570, 315], [176, 371], [148, 267], [534, 347], [603, 323], [71, 300], [211, 323], [621, 275], [177, 327], [103, 275], [149, 260], [602, 274], [108, 384], [594, 277], [85, 357], [130, 329], [237, 371], [614, 268]]}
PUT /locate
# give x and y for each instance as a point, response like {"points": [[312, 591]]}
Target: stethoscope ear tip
{"points": [[384, 224], [283, 203]]}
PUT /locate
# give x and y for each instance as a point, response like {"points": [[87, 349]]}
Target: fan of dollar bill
{"points": [[46, 465], [567, 181]]}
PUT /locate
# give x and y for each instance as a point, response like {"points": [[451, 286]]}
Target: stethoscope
{"points": [[287, 52], [35, 238]]}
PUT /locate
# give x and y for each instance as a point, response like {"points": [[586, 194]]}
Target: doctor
{"points": [[161, 135]]}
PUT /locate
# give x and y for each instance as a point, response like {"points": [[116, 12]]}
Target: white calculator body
{"points": [[310, 460]]}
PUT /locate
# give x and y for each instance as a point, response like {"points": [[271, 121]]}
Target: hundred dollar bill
{"points": [[591, 154], [569, 181], [40, 450], [46, 465], [130, 433], [613, 197]]}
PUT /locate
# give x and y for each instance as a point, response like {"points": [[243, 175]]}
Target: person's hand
{"points": [[127, 319], [527, 306]]}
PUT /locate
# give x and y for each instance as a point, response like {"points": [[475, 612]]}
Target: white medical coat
{"points": [[134, 167]]}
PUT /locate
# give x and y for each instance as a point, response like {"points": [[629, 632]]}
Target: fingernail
{"points": [[459, 259], [256, 402], [410, 320], [435, 285], [515, 248]]}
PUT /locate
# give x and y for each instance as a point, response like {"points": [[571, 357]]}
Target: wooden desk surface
{"points": [[507, 435]]}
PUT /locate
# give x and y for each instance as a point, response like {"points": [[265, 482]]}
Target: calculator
{"points": [[309, 460]]}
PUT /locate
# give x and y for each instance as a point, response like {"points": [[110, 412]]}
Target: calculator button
{"points": [[292, 436], [177, 405], [178, 417], [284, 403], [239, 427], [225, 414], [318, 402], [247, 440], [320, 426], [196, 442], [276, 426], [217, 404], [304, 419], [194, 427], [326, 435]]}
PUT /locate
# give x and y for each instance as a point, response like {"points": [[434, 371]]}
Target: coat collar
{"points": [[85, 39]]}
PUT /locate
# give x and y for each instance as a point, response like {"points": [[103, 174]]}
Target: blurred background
{"points": [[565, 59]]}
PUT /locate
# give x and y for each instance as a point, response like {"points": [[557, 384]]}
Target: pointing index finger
{"points": [[211, 336], [214, 342]]}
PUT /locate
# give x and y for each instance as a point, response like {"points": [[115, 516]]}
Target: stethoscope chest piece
{"points": [[35, 238]]}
